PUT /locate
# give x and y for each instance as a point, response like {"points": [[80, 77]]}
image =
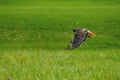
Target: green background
{"points": [[34, 38]]}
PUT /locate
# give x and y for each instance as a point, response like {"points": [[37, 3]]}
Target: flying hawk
{"points": [[80, 35]]}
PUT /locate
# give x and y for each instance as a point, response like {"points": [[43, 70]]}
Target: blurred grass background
{"points": [[34, 36], [49, 24]]}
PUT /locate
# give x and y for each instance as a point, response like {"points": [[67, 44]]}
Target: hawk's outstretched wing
{"points": [[79, 37]]}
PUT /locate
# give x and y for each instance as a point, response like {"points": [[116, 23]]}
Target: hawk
{"points": [[80, 35]]}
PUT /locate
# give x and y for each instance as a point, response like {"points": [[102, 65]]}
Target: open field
{"points": [[34, 36], [60, 65]]}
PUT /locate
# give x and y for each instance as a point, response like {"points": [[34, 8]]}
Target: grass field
{"points": [[34, 36]]}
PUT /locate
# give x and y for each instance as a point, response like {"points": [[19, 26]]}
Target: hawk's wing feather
{"points": [[79, 39]]}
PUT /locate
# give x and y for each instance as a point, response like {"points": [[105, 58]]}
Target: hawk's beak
{"points": [[91, 34]]}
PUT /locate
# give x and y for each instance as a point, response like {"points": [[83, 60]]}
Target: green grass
{"points": [[60, 65], [53, 26], [34, 37]]}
